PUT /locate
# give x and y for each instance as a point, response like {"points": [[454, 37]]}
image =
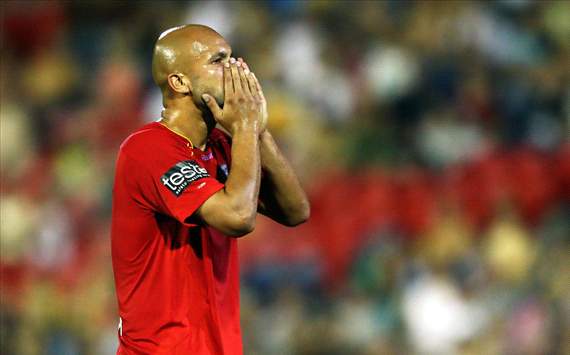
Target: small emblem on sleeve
{"points": [[177, 178]]}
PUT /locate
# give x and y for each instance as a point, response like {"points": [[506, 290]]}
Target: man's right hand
{"points": [[242, 108]]}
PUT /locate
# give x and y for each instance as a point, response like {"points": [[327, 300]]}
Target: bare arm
{"points": [[282, 197], [232, 210]]}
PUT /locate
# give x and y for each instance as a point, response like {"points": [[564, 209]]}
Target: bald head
{"points": [[179, 49]]}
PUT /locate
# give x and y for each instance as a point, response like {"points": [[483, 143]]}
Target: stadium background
{"points": [[432, 138]]}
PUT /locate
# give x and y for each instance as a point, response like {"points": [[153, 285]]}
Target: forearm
{"points": [[242, 185], [282, 194]]}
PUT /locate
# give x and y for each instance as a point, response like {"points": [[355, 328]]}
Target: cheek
{"points": [[214, 71], [216, 74], [210, 77], [211, 81], [212, 74]]}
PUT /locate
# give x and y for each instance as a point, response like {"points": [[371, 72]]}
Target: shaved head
{"points": [[193, 54]]}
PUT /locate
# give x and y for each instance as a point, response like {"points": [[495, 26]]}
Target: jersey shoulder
{"points": [[144, 140]]}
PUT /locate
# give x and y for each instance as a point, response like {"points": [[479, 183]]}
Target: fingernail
{"points": [[232, 60], [238, 64], [227, 65], [206, 97], [246, 71]]}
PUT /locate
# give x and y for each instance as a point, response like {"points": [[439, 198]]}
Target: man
{"points": [[184, 190]]}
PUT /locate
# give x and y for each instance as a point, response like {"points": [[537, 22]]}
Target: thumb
{"points": [[212, 105]]}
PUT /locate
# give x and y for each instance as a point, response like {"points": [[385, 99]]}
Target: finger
{"points": [[228, 84], [244, 65], [243, 78], [212, 105], [258, 87], [253, 85], [250, 80], [235, 76]]}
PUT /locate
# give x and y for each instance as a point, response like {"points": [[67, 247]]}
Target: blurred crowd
{"points": [[432, 138]]}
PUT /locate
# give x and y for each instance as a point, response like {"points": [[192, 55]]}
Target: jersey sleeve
{"points": [[169, 184]]}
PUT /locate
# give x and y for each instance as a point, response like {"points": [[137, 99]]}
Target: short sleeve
{"points": [[169, 184]]}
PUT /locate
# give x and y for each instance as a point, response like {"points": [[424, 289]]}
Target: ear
{"points": [[179, 83]]}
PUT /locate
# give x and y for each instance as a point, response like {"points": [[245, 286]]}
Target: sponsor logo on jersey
{"points": [[181, 175]]}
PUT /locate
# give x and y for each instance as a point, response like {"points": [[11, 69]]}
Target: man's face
{"points": [[207, 72]]}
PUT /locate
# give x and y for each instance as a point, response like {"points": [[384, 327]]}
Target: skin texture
{"points": [[203, 86]]}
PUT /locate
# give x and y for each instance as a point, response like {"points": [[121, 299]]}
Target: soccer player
{"points": [[185, 190]]}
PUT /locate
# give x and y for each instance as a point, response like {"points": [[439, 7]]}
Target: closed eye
{"points": [[219, 57]]}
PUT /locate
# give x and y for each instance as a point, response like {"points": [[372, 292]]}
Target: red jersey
{"points": [[177, 281]]}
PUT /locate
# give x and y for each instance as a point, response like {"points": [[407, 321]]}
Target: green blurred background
{"points": [[431, 136]]}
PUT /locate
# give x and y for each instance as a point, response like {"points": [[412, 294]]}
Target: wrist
{"points": [[245, 126]]}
